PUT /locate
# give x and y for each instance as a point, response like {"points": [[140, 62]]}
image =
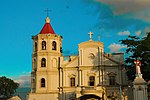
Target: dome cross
{"points": [[90, 34], [47, 12]]}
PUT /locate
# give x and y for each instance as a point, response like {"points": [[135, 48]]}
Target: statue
{"points": [[138, 70], [139, 84]]}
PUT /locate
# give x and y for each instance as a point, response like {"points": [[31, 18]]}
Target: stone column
{"points": [[139, 84]]}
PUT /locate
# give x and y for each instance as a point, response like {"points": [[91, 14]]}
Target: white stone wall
{"points": [[86, 62]]}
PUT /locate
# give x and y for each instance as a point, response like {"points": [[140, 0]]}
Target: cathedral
{"points": [[92, 74]]}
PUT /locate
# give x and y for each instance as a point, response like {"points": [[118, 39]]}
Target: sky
{"points": [[109, 20]]}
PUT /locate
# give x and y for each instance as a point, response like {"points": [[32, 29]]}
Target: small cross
{"points": [[90, 34], [47, 10]]}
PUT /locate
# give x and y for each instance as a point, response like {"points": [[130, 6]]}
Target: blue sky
{"points": [[112, 20]]}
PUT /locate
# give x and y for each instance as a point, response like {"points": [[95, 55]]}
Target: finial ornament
{"points": [[90, 34], [138, 70], [47, 20]]}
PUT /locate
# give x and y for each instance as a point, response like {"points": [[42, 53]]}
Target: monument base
{"points": [[140, 89]]}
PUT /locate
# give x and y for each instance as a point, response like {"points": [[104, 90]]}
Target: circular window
{"points": [[91, 56]]}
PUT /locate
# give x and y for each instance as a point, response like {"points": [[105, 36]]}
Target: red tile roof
{"points": [[47, 28]]}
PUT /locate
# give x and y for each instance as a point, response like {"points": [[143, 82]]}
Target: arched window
{"points": [[72, 81], [34, 64], [42, 82], [91, 81], [43, 45], [61, 49], [35, 46], [43, 62], [54, 45], [112, 80]]}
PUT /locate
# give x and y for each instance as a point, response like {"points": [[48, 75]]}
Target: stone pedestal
{"points": [[140, 89]]}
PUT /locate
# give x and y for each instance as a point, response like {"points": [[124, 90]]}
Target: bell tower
{"points": [[47, 47]]}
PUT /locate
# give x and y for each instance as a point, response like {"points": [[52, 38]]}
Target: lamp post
{"points": [[120, 92]]}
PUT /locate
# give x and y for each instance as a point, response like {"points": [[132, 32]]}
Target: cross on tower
{"points": [[47, 10], [90, 34]]}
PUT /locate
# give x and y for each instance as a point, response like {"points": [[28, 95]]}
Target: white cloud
{"points": [[147, 29], [23, 80], [138, 32], [142, 33], [124, 33], [134, 8], [115, 48]]}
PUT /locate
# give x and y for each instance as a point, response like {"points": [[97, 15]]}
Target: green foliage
{"points": [[137, 49], [7, 87]]}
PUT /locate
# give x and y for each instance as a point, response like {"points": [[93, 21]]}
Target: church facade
{"points": [[89, 75]]}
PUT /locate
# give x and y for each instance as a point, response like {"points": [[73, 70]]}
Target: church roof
{"points": [[47, 28]]}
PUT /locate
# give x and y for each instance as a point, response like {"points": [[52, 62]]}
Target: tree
{"points": [[137, 49], [7, 87]]}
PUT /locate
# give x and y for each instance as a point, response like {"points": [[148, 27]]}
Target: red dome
{"points": [[47, 28]]}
